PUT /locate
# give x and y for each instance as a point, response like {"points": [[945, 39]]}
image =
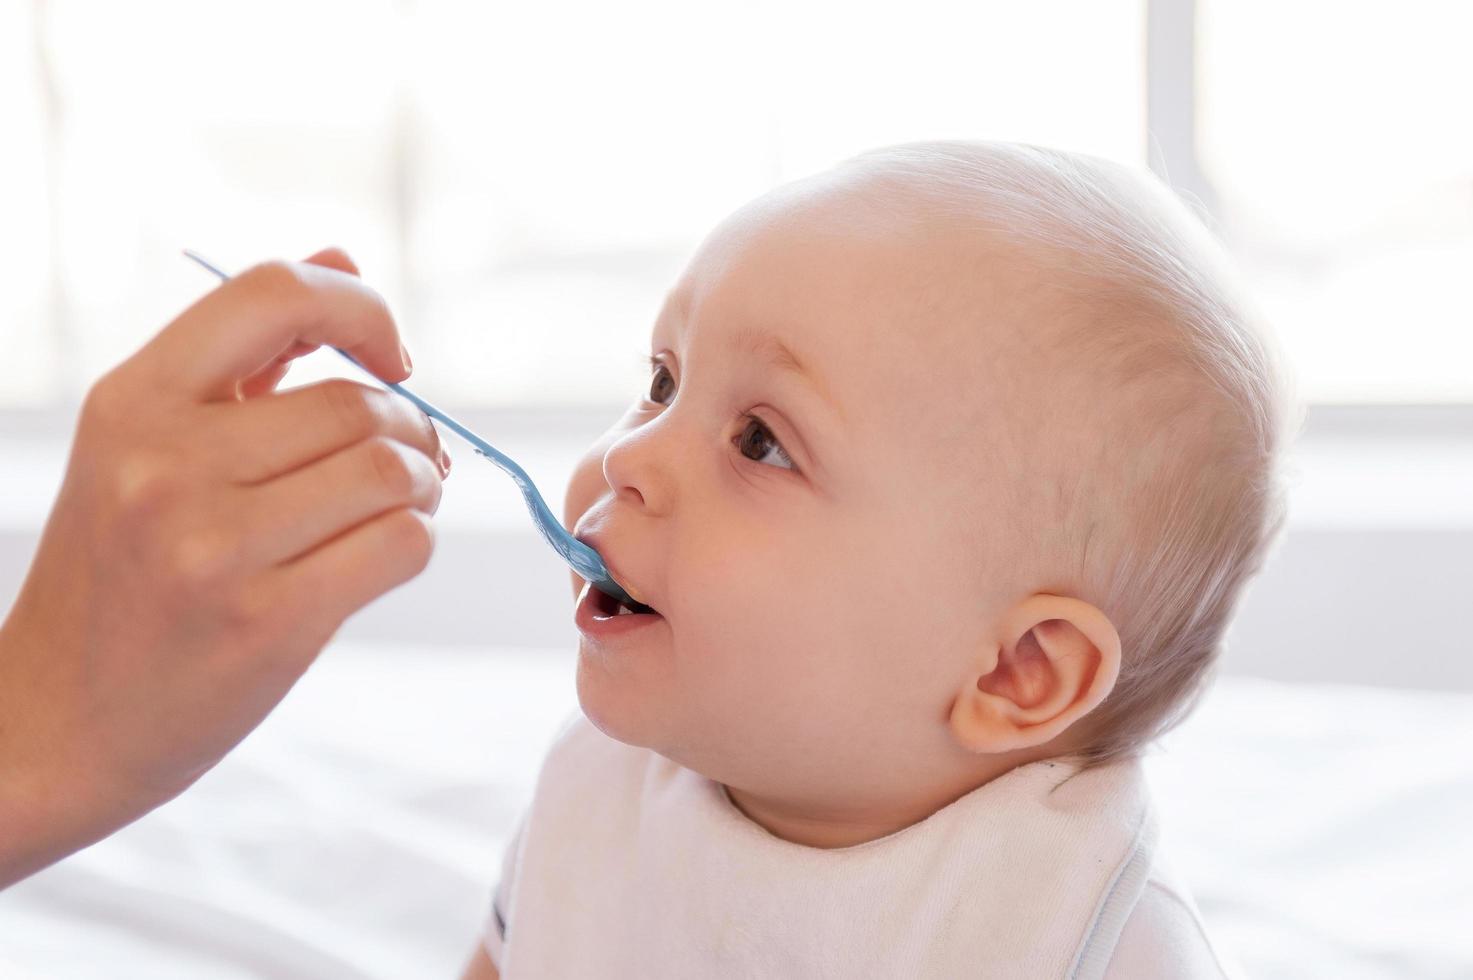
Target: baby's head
{"points": [[953, 457]]}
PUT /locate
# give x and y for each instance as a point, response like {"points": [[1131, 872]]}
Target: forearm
{"points": [[49, 807], [39, 825]]}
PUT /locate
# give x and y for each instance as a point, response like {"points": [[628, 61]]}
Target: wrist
{"points": [[47, 807]]}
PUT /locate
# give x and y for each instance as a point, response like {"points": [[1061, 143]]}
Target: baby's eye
{"points": [[661, 373], [757, 439]]}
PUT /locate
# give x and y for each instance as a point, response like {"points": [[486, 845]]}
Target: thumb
{"points": [[334, 258], [243, 325]]}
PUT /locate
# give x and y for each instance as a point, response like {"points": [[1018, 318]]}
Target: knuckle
{"points": [[390, 466], [413, 536], [354, 407], [275, 276], [199, 560], [378, 309], [249, 606], [141, 485], [104, 401], [380, 304], [336, 255]]}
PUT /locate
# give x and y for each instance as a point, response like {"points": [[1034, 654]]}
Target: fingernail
{"points": [[404, 353], [445, 461]]}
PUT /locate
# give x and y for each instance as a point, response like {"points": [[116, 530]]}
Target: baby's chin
{"points": [[641, 705], [618, 695]]}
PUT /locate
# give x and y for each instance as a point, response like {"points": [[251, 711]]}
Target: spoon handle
{"points": [[579, 556]]}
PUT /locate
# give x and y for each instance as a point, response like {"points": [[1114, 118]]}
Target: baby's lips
{"points": [[632, 592], [592, 540]]}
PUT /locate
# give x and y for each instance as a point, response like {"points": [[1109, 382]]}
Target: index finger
{"points": [[233, 332]]}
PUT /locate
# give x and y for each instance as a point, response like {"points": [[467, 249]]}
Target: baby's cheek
{"points": [[585, 487], [587, 483], [773, 665]]}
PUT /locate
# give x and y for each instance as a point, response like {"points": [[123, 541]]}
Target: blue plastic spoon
{"points": [[579, 556]]}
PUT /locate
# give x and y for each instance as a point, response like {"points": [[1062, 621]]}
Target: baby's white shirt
{"points": [[629, 865]]}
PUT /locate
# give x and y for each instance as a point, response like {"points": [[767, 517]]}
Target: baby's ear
{"points": [[1053, 660]]}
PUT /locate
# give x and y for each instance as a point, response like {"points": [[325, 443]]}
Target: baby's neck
{"points": [[837, 825]]}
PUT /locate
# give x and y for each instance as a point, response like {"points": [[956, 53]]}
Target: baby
{"points": [[952, 467]]}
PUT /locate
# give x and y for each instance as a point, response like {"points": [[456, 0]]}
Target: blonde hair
{"points": [[1180, 495]]}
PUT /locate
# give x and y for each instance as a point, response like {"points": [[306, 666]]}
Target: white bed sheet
{"points": [[1325, 830]]}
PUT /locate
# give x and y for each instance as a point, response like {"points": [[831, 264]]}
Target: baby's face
{"points": [[819, 532]]}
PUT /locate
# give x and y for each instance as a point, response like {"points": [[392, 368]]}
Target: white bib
{"points": [[628, 865]]}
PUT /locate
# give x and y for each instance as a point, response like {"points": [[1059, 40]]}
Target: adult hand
{"points": [[210, 536]]}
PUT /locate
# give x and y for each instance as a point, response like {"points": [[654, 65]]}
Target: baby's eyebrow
{"points": [[776, 353]]}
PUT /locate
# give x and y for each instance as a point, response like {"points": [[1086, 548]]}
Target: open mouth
{"points": [[605, 619], [607, 607]]}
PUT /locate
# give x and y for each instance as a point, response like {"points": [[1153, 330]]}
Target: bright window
{"points": [[524, 183], [1339, 141]]}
